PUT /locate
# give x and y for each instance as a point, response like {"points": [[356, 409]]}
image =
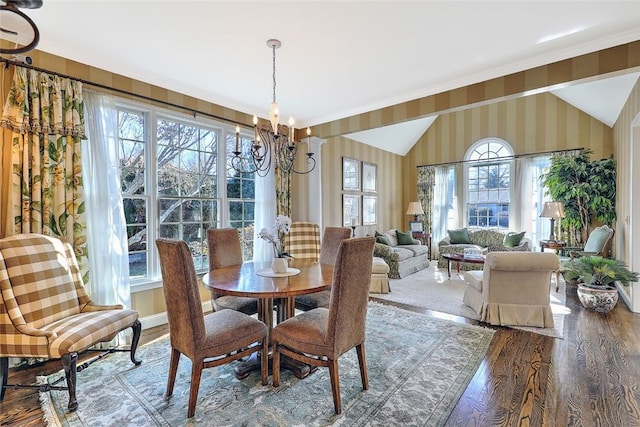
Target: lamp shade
{"points": [[552, 210], [414, 209]]}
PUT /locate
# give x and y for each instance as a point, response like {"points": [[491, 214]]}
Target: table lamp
{"points": [[414, 209], [552, 210]]}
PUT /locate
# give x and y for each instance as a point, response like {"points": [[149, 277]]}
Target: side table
{"points": [[425, 239], [557, 245]]}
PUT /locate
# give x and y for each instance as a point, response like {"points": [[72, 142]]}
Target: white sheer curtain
{"points": [[443, 204], [106, 226], [522, 198], [265, 215]]}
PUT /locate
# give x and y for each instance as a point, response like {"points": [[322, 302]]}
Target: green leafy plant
{"points": [[586, 188], [597, 272]]}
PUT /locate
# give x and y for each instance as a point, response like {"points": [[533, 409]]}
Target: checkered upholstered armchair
{"points": [[303, 240], [45, 311]]}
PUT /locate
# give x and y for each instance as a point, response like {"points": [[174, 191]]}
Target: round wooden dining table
{"points": [[248, 280]]}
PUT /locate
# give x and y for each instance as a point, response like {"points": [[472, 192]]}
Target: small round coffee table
{"points": [[458, 258]]}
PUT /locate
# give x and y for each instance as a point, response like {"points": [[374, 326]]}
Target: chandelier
{"points": [[13, 23], [273, 143]]}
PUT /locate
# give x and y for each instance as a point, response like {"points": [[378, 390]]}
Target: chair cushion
{"points": [[382, 239], [416, 249], [399, 254], [597, 239], [512, 239], [244, 305], [459, 236], [228, 330], [314, 300], [392, 237], [305, 332], [76, 333], [379, 266], [404, 238]]}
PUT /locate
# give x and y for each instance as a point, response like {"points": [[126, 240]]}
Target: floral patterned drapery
{"points": [[45, 116], [283, 192], [426, 184]]}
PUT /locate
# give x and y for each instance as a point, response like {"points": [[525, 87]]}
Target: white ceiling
{"points": [[338, 58]]}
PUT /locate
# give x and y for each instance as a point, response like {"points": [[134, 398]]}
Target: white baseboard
{"points": [[160, 319]]}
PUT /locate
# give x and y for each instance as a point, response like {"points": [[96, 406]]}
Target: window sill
{"points": [[147, 285]]}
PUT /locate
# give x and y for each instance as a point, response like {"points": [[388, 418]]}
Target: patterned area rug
{"points": [[432, 289], [418, 368]]}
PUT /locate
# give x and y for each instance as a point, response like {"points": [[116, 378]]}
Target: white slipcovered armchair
{"points": [[513, 288]]}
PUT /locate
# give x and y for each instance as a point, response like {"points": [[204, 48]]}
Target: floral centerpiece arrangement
{"points": [[282, 227]]}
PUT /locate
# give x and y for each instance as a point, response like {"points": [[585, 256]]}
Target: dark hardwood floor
{"points": [[590, 378]]}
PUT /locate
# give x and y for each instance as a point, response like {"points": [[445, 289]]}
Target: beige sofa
{"points": [[485, 240], [513, 288]]}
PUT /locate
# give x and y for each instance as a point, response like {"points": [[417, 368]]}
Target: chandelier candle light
{"points": [[271, 142]]}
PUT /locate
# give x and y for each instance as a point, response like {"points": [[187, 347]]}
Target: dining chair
{"points": [[207, 340], [320, 336], [224, 251], [303, 240], [331, 239]]}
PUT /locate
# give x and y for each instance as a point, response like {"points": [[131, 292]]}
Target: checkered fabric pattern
{"points": [[303, 240], [44, 309]]}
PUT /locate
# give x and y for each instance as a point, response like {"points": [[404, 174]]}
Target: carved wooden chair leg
{"points": [[4, 375], [137, 330], [69, 362]]}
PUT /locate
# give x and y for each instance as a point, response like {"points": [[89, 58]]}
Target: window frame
{"points": [[152, 115], [470, 162]]}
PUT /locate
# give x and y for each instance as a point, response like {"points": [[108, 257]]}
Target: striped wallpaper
{"points": [[626, 132], [588, 66], [622, 136], [535, 123], [390, 206], [531, 124]]}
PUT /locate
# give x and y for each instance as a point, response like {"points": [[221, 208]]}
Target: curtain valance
{"points": [[43, 104]]}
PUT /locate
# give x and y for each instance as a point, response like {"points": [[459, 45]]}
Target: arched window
{"points": [[488, 183]]}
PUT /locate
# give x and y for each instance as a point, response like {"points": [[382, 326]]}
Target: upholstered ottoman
{"points": [[379, 277]]}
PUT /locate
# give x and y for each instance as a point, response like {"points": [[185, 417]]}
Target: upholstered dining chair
{"points": [[224, 250], [208, 340], [303, 240], [598, 243], [331, 239], [319, 336], [45, 311]]}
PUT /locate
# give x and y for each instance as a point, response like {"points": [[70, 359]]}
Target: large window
{"points": [[171, 185], [488, 184]]}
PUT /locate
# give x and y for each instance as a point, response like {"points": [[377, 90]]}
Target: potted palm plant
{"points": [[596, 277]]}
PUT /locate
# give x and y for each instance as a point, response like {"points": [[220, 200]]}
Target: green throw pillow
{"points": [[404, 238], [512, 239], [459, 236], [382, 239]]}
